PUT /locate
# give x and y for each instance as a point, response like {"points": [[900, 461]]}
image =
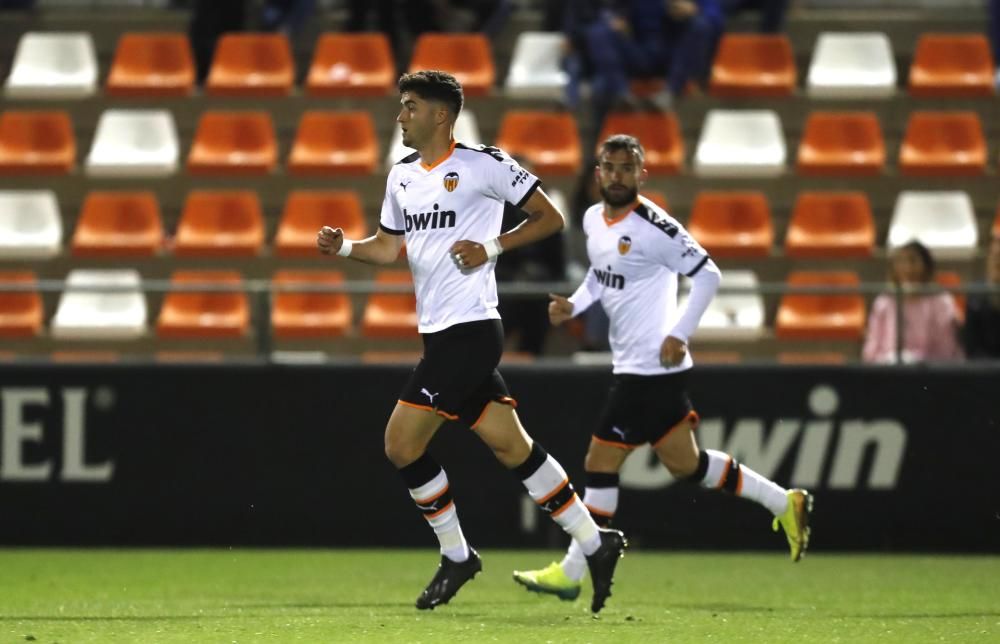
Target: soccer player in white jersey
{"points": [[446, 201], [636, 251]]}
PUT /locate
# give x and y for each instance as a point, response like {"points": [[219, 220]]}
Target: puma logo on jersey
{"points": [[619, 431], [403, 184], [429, 394], [429, 220], [609, 278]]}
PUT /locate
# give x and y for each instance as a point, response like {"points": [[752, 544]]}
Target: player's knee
{"points": [[400, 452], [680, 463]]}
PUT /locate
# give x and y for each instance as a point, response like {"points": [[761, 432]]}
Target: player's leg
{"points": [[678, 451], [563, 579], [549, 486]]}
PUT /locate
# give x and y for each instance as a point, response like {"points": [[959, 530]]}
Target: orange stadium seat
{"points": [[334, 143], [996, 223], [952, 65], [251, 65], [952, 278], [193, 314], [306, 211], [943, 144], [467, 56], [821, 317], [656, 197], [548, 141], [220, 224], [233, 143], [300, 314], [841, 143], [732, 224], [749, 65], [36, 143], [152, 64], [118, 224], [351, 65], [21, 312], [831, 225], [391, 315], [660, 135]]}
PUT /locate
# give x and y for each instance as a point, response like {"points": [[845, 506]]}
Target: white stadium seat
{"points": [[53, 65], [30, 225], [731, 316], [944, 222], [466, 131], [852, 65], [134, 143], [740, 143], [536, 66], [101, 315]]}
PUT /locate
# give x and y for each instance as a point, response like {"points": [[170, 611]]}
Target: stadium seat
{"points": [[751, 65], [950, 279], [220, 223], [53, 66], [535, 66], [830, 225], [466, 131], [841, 144], [996, 223], [466, 56], [307, 211], [953, 66], [134, 143], [87, 313], [731, 316], [660, 135], [943, 144], [351, 65], [233, 144], [821, 317], [118, 224], [732, 224], [334, 143], [151, 65], [852, 65], [30, 224], [547, 140], [309, 314], [21, 312], [189, 313], [251, 64], [36, 143], [391, 315], [656, 197], [740, 143], [944, 221]]}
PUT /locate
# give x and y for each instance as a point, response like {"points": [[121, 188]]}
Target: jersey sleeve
{"points": [[681, 253], [504, 179], [391, 218]]}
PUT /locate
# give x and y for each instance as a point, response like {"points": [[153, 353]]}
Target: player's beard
{"points": [[619, 198]]}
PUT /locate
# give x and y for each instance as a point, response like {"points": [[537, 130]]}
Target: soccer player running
{"points": [[636, 251], [446, 201]]}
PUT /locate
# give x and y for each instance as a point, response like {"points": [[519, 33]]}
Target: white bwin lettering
{"points": [[747, 442], [16, 432]]}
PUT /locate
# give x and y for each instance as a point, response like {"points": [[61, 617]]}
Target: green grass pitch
{"points": [[150, 596]]}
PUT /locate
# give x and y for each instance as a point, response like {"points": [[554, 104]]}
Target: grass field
{"points": [[70, 596]]}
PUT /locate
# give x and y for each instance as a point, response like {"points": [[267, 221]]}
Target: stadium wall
{"points": [[899, 458]]}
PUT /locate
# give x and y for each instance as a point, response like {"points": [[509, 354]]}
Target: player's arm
{"points": [[563, 308], [543, 219], [381, 248], [704, 284]]}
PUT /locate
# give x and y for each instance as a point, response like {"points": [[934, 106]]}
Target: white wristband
{"points": [[345, 248], [493, 248]]}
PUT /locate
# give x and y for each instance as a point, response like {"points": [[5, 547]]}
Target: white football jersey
{"points": [[459, 197], [634, 263]]}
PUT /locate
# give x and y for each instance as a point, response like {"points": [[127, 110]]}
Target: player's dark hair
{"points": [[434, 85], [626, 142]]}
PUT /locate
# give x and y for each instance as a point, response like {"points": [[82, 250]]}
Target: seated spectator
{"points": [[930, 320], [286, 16], [981, 334], [772, 12], [995, 36]]}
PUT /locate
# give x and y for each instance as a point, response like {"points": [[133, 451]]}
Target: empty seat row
{"points": [[227, 223], [111, 305], [843, 65]]}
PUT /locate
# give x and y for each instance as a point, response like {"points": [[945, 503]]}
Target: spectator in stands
{"points": [[286, 16], [981, 334], [995, 35], [930, 320], [209, 20], [17, 4], [772, 12]]}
